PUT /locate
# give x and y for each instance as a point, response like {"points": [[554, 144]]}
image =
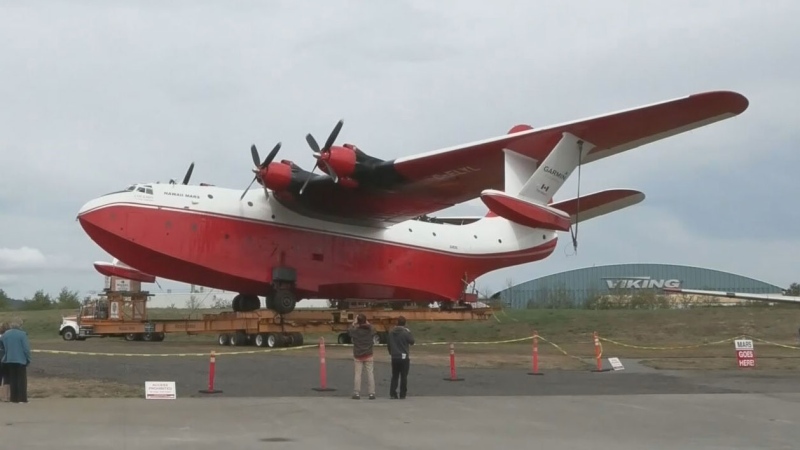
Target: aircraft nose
{"points": [[88, 206], [88, 210]]}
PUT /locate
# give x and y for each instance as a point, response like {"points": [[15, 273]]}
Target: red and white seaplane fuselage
{"points": [[360, 230]]}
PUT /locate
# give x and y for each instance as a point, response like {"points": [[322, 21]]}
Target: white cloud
{"points": [[24, 260]]}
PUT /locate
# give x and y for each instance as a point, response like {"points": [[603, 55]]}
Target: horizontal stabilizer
{"points": [[739, 295], [122, 271], [525, 212], [598, 204]]}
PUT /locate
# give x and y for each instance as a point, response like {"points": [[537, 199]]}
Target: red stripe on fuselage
{"points": [[236, 254]]}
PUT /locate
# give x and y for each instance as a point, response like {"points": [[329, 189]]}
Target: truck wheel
{"points": [[68, 334], [223, 339]]}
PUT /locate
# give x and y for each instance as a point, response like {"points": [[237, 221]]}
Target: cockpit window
{"points": [[145, 189]]}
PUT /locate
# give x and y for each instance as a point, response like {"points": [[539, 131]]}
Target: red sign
{"points": [[745, 353]]}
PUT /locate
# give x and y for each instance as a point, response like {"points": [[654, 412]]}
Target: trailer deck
{"points": [[124, 314]]}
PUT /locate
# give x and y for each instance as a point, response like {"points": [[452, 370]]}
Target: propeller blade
{"points": [[334, 135], [312, 143], [188, 174], [309, 177], [248, 187], [254, 154], [271, 155], [331, 172]]}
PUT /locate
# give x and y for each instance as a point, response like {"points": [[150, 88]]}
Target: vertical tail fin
{"points": [[554, 170], [526, 203]]}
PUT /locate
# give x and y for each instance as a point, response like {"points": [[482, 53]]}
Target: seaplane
{"points": [[363, 227]]}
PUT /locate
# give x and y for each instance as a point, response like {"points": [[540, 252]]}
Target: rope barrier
{"points": [[596, 340]]}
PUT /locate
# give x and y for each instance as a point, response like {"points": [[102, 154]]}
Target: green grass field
{"points": [[568, 328]]}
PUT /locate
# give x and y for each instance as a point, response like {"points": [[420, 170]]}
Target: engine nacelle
{"points": [[276, 176], [342, 160]]}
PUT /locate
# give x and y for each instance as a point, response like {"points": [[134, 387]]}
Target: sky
{"points": [[97, 95]]}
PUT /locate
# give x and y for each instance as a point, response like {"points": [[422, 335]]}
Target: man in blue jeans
{"points": [[399, 340]]}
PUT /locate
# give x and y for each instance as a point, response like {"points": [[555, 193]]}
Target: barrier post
{"points": [[535, 355], [453, 376], [211, 374], [323, 372], [598, 354]]}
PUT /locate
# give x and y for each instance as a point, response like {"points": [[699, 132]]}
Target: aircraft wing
{"points": [[408, 187], [739, 295]]}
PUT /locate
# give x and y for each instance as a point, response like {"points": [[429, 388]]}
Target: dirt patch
{"points": [[50, 387]]}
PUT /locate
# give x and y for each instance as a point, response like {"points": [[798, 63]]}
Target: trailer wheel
{"points": [[239, 338], [297, 338], [130, 337], [223, 339], [343, 338], [160, 337], [376, 339], [68, 334], [275, 340], [148, 337], [260, 340]]}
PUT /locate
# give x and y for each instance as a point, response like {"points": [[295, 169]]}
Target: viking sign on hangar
{"points": [[641, 283]]}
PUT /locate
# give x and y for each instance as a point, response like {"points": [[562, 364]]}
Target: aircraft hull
{"points": [[236, 254]]}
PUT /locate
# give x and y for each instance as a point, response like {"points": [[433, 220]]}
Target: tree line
{"points": [[41, 300]]}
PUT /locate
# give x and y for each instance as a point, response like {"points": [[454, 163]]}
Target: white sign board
{"points": [[159, 390], [745, 353], [121, 285], [616, 364]]}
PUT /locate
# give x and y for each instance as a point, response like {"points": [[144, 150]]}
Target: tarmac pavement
{"points": [[621, 422]]}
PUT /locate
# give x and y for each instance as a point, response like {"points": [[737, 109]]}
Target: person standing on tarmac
{"points": [[399, 340], [361, 334], [16, 359]]}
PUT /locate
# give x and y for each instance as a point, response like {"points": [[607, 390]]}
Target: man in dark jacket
{"points": [[361, 334], [399, 340]]}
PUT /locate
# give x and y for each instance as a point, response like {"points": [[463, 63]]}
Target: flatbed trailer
{"points": [[125, 315]]}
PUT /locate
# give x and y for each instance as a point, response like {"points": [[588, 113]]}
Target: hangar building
{"points": [[579, 285]]}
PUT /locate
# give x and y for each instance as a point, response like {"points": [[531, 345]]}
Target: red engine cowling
{"points": [[342, 160], [277, 176]]}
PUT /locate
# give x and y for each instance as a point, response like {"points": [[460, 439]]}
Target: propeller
{"points": [[319, 152], [188, 174], [261, 165], [185, 177]]}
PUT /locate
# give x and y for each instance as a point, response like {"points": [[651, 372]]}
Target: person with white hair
{"points": [[16, 359]]}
